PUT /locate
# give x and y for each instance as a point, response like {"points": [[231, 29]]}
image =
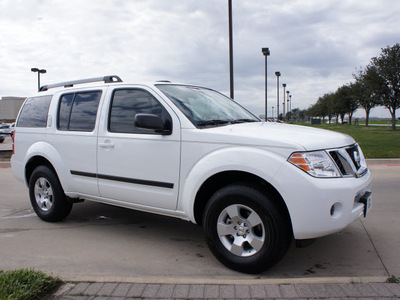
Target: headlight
{"points": [[316, 163]]}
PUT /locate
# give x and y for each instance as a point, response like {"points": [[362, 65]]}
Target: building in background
{"points": [[9, 108]]}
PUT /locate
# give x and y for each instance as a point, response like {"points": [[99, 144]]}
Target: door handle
{"points": [[107, 144]]}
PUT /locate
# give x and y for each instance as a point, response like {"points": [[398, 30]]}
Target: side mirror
{"points": [[151, 121]]}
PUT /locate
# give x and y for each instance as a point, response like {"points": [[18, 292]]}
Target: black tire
{"points": [[245, 230], [47, 196]]}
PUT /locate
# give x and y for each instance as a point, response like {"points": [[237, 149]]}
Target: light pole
{"points": [[290, 102], [277, 94], [230, 48], [284, 102], [39, 71], [266, 53], [287, 100]]}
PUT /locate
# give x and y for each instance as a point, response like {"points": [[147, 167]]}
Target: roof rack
{"points": [[106, 79]]}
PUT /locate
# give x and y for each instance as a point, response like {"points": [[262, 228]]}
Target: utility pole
{"points": [[277, 94], [230, 48], [266, 53]]}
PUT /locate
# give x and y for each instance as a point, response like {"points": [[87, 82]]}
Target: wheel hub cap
{"points": [[241, 230], [43, 194]]}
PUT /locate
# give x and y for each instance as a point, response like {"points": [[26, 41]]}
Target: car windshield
{"points": [[205, 107]]}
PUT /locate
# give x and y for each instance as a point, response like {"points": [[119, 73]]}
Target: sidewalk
{"points": [[122, 291]]}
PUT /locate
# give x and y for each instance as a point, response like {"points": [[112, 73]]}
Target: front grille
{"points": [[354, 155], [338, 162], [349, 161]]}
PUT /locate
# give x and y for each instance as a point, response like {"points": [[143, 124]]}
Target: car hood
{"points": [[270, 134]]}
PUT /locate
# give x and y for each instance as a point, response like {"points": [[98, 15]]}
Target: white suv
{"points": [[192, 153]]}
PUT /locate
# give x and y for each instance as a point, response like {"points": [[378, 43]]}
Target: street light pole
{"points": [[277, 94], [230, 48], [290, 102], [39, 71], [284, 100], [266, 53], [287, 101]]}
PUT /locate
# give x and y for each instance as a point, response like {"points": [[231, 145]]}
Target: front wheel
{"points": [[245, 230], [47, 196]]}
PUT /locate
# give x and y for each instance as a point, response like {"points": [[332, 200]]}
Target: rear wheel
{"points": [[245, 230], [47, 196]]}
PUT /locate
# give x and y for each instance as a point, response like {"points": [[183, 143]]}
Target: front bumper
{"points": [[321, 206]]}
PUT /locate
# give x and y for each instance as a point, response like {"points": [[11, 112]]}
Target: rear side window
{"points": [[78, 111], [34, 112]]}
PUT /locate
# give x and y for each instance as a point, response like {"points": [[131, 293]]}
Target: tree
{"points": [[346, 101], [319, 109], [388, 69], [294, 114], [303, 114], [311, 111], [329, 100], [369, 88], [289, 116]]}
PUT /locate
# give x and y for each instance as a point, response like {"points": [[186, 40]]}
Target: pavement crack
{"points": [[376, 250]]}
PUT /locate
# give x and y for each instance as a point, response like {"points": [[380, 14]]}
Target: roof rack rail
{"points": [[106, 79]]}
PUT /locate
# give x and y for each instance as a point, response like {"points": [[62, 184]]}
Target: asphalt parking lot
{"points": [[103, 243]]}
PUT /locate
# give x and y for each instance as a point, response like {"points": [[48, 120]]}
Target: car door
{"points": [[75, 139], [138, 165]]}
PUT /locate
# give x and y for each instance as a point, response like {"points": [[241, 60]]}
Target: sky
{"points": [[317, 45]]}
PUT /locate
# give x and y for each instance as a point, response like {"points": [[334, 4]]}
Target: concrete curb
{"points": [[383, 161], [230, 281], [122, 291]]}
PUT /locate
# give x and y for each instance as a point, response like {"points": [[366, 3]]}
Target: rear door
{"points": [[138, 165], [75, 140]]}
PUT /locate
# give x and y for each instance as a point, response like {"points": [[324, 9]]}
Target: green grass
{"points": [[375, 141], [393, 279], [26, 284], [386, 122]]}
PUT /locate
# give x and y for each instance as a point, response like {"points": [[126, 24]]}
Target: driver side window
{"points": [[126, 103]]}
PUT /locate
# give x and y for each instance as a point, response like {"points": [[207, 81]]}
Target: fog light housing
{"points": [[336, 210]]}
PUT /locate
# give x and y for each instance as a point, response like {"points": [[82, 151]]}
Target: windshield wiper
{"points": [[213, 122], [243, 121]]}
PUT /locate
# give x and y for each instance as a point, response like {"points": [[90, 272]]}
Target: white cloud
{"points": [[316, 45]]}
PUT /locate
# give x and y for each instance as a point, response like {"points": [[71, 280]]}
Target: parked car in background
{"points": [[4, 131], [12, 128]]}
